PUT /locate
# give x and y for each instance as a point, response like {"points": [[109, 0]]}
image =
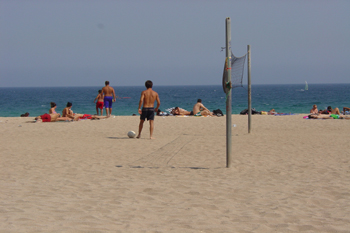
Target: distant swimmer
{"points": [[100, 103], [109, 98], [200, 110], [147, 99]]}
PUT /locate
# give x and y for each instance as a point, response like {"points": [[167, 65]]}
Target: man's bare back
{"points": [[108, 91], [99, 97], [197, 108], [200, 108], [148, 97]]}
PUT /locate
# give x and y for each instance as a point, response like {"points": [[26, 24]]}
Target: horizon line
{"points": [[168, 85]]}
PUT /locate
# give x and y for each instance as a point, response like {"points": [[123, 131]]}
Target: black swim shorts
{"points": [[147, 113]]}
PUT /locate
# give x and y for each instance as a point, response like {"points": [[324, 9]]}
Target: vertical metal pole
{"points": [[229, 95], [249, 93]]}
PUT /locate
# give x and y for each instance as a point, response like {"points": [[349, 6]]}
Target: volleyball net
{"points": [[237, 70]]}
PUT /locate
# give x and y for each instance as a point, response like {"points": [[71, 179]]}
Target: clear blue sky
{"points": [[85, 42]]}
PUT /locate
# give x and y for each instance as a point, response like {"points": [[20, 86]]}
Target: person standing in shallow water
{"points": [[109, 97], [100, 103], [147, 99]]}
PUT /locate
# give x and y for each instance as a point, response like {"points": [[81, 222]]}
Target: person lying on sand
{"points": [[346, 109], [160, 113], [180, 111], [272, 112], [53, 117], [331, 116]]}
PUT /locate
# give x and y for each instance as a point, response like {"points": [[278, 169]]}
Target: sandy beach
{"points": [[288, 175]]}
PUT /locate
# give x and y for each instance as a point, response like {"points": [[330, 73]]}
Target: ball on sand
{"points": [[131, 134]]}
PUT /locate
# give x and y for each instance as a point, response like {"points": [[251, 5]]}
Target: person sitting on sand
{"points": [[200, 110], [53, 117], [314, 109], [67, 112], [333, 111], [180, 111], [53, 108]]}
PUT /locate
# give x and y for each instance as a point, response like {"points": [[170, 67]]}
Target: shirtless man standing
{"points": [[199, 108], [109, 97], [147, 102]]}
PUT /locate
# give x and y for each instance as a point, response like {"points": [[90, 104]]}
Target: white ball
{"points": [[131, 134]]}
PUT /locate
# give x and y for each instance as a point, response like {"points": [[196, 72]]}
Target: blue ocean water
{"points": [[283, 98]]}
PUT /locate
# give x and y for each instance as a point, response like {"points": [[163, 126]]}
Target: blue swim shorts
{"points": [[108, 100]]}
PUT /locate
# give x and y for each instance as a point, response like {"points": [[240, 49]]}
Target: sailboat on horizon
{"points": [[306, 86]]}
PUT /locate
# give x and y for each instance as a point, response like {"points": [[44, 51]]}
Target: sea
{"points": [[287, 98]]}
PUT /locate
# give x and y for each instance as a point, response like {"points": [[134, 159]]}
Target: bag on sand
{"points": [[245, 111], [218, 112]]}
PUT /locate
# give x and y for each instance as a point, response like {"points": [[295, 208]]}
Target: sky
{"points": [[171, 42]]}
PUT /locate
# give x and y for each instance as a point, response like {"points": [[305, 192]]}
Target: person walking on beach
{"points": [[200, 110], [109, 97], [99, 104], [147, 99]]}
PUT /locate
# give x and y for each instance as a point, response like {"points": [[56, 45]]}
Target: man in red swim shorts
{"points": [[46, 117], [50, 118]]}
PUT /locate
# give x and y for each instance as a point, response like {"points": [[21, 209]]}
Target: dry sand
{"points": [[288, 175]]}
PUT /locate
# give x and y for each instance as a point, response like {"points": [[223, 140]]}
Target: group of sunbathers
{"points": [[328, 113], [67, 115], [198, 110]]}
